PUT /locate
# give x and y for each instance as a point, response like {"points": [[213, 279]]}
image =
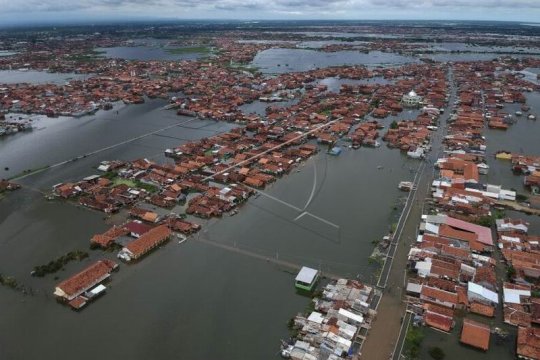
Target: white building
{"points": [[481, 294], [412, 99]]}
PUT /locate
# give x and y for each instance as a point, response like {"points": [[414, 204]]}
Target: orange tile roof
{"points": [[475, 334], [482, 309], [148, 241], [440, 295], [87, 278], [438, 321]]}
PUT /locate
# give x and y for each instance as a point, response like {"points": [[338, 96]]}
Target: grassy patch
{"points": [[121, 181], [117, 180], [147, 187]]}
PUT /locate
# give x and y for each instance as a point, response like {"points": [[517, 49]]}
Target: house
{"points": [[91, 276], [512, 225], [148, 241], [107, 238], [137, 228], [438, 317], [514, 294], [481, 294], [439, 296], [475, 334]]}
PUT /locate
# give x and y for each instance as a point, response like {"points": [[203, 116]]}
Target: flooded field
{"points": [[287, 60], [37, 77], [146, 53]]}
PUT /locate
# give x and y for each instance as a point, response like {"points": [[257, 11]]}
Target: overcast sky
{"points": [[17, 11]]}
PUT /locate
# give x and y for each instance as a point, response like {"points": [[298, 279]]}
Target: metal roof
{"points": [[306, 275]]}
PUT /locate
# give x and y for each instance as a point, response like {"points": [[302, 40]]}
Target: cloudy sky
{"points": [[16, 11]]}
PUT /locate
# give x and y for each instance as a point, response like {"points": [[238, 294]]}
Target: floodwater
{"points": [[316, 44], [521, 137], [286, 60], [145, 53], [38, 77], [193, 300], [54, 140], [334, 84], [259, 107], [7, 53]]}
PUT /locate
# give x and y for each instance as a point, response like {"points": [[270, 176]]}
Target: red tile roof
{"points": [[484, 233], [528, 343]]}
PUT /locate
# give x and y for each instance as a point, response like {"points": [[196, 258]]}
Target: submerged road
{"points": [[385, 339], [255, 255]]}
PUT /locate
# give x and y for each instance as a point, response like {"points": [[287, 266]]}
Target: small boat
{"points": [[532, 117], [483, 168], [405, 186], [524, 108], [503, 155], [519, 113]]}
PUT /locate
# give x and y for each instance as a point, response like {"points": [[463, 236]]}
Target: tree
{"points": [[436, 353], [394, 125], [413, 340], [510, 272], [486, 221]]}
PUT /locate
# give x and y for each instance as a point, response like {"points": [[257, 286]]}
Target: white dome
{"points": [[412, 93]]}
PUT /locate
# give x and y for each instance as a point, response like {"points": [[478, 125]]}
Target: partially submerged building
{"points": [[85, 285], [145, 243], [306, 278]]}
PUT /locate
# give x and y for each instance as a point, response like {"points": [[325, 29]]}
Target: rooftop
{"points": [[475, 334]]}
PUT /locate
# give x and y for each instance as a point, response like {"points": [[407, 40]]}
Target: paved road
{"points": [[385, 330]]}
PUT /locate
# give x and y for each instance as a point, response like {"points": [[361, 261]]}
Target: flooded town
{"points": [[270, 189]]}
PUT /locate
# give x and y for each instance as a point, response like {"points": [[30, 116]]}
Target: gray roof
{"points": [[306, 275]]}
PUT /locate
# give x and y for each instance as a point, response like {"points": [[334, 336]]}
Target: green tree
{"points": [[413, 341], [510, 272]]}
